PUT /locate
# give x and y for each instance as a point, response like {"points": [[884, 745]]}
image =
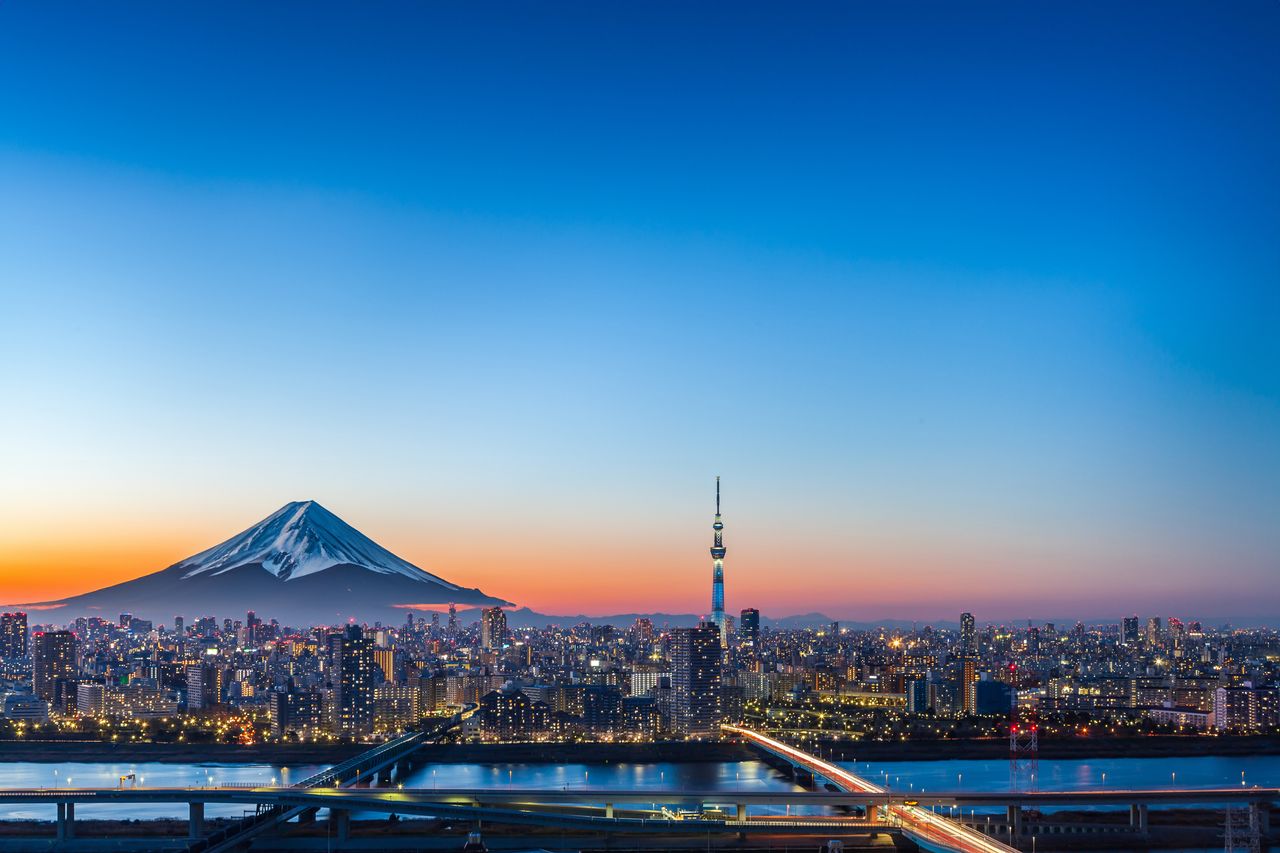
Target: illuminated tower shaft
{"points": [[717, 579]]}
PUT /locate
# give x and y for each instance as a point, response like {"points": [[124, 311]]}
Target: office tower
{"points": [[178, 625], [968, 636], [54, 668], [13, 635], [353, 682], [749, 626], [1153, 631], [493, 628], [125, 619], [252, 628], [717, 577], [695, 680], [1129, 633], [435, 626], [453, 620]]}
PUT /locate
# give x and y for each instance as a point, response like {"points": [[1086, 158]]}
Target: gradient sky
{"points": [[973, 306]]}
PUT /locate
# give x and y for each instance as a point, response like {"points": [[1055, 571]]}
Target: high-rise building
{"points": [[510, 714], [13, 635], [54, 668], [717, 577], [385, 660], [178, 625], [204, 686], [299, 711], [749, 626], [1235, 708], [969, 685], [493, 628], [920, 695], [91, 699], [353, 682], [645, 678], [968, 664], [1154, 632], [1129, 632], [696, 656], [968, 636], [453, 620]]}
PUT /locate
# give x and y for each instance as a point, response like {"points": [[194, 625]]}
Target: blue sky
{"points": [[973, 306]]}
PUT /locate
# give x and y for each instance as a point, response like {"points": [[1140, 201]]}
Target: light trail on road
{"points": [[922, 822]]}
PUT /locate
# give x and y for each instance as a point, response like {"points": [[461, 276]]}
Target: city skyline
{"points": [[288, 557], [990, 335]]}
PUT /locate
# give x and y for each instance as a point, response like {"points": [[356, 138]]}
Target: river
{"points": [[670, 777]]}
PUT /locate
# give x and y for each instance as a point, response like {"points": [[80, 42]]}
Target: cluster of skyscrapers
{"points": [[591, 681]]}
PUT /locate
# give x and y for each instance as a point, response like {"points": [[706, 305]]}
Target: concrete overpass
{"points": [[363, 784], [631, 811], [379, 764]]}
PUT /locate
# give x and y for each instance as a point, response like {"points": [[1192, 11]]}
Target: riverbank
{"points": [[1162, 746], [447, 753], [53, 751], [1154, 746]]}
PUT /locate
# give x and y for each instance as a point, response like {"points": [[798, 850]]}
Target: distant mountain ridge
{"points": [[302, 565]]}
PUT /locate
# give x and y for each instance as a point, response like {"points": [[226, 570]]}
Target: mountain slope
{"points": [[301, 565], [299, 539]]}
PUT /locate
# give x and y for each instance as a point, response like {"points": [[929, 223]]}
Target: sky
{"points": [[972, 306]]}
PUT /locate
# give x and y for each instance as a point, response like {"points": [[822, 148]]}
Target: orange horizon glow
{"points": [[565, 575]]}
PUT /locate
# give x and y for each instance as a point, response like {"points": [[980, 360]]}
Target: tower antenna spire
{"points": [[717, 495]]}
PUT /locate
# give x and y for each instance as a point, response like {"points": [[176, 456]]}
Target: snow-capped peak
{"points": [[299, 539]]}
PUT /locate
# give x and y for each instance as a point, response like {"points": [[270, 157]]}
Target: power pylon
{"points": [[1240, 830], [1024, 742]]}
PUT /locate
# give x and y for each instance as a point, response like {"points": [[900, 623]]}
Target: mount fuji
{"points": [[301, 565]]}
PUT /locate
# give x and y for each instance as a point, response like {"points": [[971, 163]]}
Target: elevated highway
{"points": [[857, 808], [377, 764], [389, 799], [923, 826]]}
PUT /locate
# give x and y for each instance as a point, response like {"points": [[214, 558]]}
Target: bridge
{"points": [[927, 829], [629, 812], [911, 811], [380, 764], [852, 808]]}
